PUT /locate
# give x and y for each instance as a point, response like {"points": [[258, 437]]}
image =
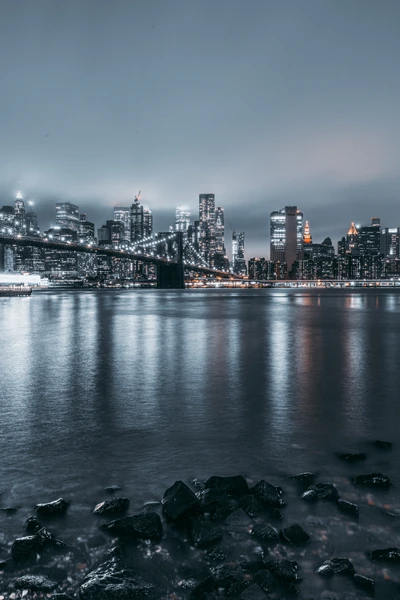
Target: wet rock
{"points": [[253, 592], [35, 583], [233, 486], [376, 480], [230, 577], [386, 554], [50, 509], [26, 548], [336, 566], [238, 518], [381, 445], [204, 587], [348, 507], [251, 506], [61, 597], [284, 570], [111, 581], [204, 533], [110, 489], [9, 510], [114, 506], [353, 457], [305, 478], [145, 526], [224, 512], [180, 502], [295, 535], [321, 491], [364, 582], [266, 580], [266, 533], [267, 494], [32, 525], [216, 499], [216, 555]]}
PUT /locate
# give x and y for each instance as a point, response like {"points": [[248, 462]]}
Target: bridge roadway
{"points": [[170, 273]]}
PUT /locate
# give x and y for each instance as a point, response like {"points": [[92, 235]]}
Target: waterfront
{"points": [[141, 388]]}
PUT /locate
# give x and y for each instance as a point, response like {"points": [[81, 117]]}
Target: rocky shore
{"points": [[225, 537]]}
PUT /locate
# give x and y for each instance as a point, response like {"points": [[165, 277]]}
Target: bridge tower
{"points": [[171, 276]]}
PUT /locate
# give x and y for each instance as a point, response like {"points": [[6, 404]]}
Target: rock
{"points": [[50, 509], [61, 597], [204, 533], [253, 592], [26, 548], [110, 489], [386, 554], [284, 570], [35, 583], [233, 486], [215, 499], [364, 582], [111, 581], [305, 478], [266, 533], [348, 507], [321, 491], [295, 535], [109, 507], [251, 506], [356, 457], [180, 502], [238, 518], [145, 526], [9, 510], [267, 494], [32, 525], [336, 566], [266, 580], [376, 480], [204, 587], [381, 445]]}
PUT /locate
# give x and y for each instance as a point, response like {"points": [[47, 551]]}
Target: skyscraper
{"points": [[182, 219], [67, 216], [122, 214], [219, 230], [19, 214], [286, 235], [390, 242], [234, 250], [207, 241], [141, 221], [240, 266]]}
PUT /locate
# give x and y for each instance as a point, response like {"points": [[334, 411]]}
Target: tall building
{"points": [[141, 221], [286, 236], [123, 215], [219, 230], [31, 221], [240, 265], [207, 241], [7, 219], [234, 250], [19, 215], [369, 240], [390, 242], [182, 220], [307, 239], [67, 216]]}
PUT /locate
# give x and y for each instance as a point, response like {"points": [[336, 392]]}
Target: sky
{"points": [[265, 103]]}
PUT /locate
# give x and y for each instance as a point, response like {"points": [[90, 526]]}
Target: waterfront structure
{"points": [[207, 239], [286, 236], [67, 216], [122, 214]]}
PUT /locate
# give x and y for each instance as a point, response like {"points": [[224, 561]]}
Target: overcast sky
{"points": [[263, 102]]}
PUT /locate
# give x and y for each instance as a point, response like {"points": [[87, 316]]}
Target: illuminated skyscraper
{"points": [[219, 230], [234, 250], [207, 241], [286, 235], [67, 216], [19, 215], [390, 242], [307, 239], [182, 219], [141, 221], [122, 214]]}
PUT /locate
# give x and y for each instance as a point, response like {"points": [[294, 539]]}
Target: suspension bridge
{"points": [[165, 250]]}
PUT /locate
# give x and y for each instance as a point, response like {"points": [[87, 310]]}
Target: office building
{"points": [[207, 241], [67, 216], [122, 214], [141, 221], [286, 236], [390, 242]]}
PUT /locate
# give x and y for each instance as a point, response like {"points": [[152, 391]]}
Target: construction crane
{"points": [[137, 197]]}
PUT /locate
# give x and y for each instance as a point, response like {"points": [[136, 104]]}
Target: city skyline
{"points": [[280, 107]]}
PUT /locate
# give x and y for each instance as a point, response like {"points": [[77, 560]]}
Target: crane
{"points": [[137, 197]]}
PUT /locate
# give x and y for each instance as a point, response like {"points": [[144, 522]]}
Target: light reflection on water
{"points": [[145, 387]]}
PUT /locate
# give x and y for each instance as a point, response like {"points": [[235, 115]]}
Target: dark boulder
{"points": [[266, 580], [207, 585], [386, 554], [295, 535], [110, 507], [348, 507], [353, 457], [376, 480], [336, 566], [32, 525], [381, 445], [204, 533], [306, 478], [321, 491], [35, 583], [238, 518], [364, 582], [145, 526], [111, 581], [214, 499], [26, 548], [252, 506], [266, 533], [180, 502], [253, 592], [50, 509], [234, 486], [284, 570], [61, 597], [267, 494], [9, 510]]}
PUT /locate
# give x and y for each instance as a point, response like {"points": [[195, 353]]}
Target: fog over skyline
{"points": [[264, 103]]}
